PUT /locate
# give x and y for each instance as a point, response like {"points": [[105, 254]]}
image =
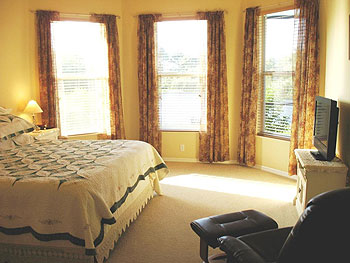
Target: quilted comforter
{"points": [[68, 190]]}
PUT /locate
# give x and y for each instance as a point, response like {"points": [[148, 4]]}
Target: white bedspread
{"points": [[68, 190]]}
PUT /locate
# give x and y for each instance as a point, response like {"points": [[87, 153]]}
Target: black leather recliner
{"points": [[322, 234]]}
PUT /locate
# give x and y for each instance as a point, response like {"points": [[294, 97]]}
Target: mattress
{"points": [[73, 198]]}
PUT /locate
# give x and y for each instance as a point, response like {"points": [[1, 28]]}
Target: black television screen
{"points": [[325, 128]]}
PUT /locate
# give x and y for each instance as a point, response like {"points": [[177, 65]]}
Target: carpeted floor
{"points": [[162, 232]]}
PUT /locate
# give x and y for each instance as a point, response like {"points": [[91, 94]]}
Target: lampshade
{"points": [[32, 107]]}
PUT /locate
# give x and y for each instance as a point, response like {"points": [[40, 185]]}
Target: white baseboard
{"points": [[260, 167], [194, 160], [181, 160], [275, 171]]}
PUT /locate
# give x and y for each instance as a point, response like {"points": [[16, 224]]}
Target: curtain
{"points": [[47, 80], [147, 82], [214, 141], [306, 78], [249, 97], [115, 94]]}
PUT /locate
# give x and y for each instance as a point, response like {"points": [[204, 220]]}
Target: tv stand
{"points": [[316, 176], [317, 155]]}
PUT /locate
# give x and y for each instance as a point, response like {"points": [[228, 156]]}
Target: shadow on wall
{"points": [[344, 134]]}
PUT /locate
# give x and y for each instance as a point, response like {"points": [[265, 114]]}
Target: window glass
{"points": [[81, 64], [277, 68], [182, 74]]}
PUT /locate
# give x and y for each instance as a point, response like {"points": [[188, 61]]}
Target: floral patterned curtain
{"points": [[249, 97], [147, 82], [115, 94], [47, 80], [306, 78], [214, 142]]}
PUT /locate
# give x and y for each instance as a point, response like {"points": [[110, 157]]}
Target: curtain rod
{"points": [[178, 14], [181, 14], [281, 4], [73, 14]]}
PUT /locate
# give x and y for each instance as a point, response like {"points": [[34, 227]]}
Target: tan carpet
{"points": [[162, 232]]}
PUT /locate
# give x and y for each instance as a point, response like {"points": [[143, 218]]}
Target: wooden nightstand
{"points": [[315, 177], [48, 134]]}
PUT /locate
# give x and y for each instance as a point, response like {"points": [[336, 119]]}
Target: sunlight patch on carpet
{"points": [[259, 189]]}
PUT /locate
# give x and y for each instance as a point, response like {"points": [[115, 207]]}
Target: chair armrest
{"points": [[267, 244], [237, 251]]}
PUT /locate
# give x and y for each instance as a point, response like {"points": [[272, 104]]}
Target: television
{"points": [[325, 128]]}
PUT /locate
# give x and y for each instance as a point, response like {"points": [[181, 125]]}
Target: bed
{"points": [[70, 200]]}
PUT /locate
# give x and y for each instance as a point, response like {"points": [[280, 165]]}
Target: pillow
{"points": [[11, 126], [4, 111], [23, 139], [18, 140], [6, 145]]}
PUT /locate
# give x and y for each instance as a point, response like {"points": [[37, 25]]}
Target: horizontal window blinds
{"points": [[181, 57], [277, 51], [81, 64]]}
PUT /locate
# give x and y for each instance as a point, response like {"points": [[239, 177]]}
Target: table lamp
{"points": [[33, 108]]}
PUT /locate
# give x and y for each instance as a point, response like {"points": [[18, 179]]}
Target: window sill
{"points": [[273, 136], [178, 131], [88, 136]]}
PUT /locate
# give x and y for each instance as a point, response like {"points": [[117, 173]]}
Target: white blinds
{"points": [[277, 68], [182, 74], [81, 61]]}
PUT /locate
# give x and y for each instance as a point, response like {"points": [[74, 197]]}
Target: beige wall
{"points": [[18, 68], [233, 20], [334, 78], [15, 77], [337, 67], [271, 153]]}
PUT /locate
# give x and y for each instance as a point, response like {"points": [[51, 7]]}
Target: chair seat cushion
{"points": [[232, 224]]}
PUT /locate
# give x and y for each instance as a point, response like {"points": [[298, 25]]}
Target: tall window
{"points": [[81, 61], [277, 69], [182, 74]]}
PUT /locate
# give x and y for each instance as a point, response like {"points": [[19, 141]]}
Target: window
{"points": [[182, 74], [81, 61], [277, 70]]}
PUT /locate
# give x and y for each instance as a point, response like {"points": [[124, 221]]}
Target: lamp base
{"points": [[36, 127]]}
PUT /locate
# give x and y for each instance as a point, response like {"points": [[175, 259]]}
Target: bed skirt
{"points": [[26, 249]]}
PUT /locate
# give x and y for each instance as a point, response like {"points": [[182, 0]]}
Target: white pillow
{"points": [[4, 111], [23, 139], [11, 126], [18, 140]]}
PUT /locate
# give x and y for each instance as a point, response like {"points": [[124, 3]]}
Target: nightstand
{"points": [[315, 177], [48, 134]]}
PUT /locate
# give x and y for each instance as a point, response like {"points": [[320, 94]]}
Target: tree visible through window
{"points": [[81, 64], [182, 74], [277, 69]]}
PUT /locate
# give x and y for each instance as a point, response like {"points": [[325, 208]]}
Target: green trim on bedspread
{"points": [[104, 221]]}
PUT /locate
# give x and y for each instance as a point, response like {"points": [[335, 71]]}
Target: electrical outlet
{"points": [[182, 147]]}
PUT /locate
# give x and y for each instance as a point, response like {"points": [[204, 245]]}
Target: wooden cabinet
{"points": [[315, 177], [49, 134]]}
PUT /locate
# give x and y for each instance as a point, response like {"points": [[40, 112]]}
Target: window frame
{"points": [[263, 73], [175, 18], [84, 19]]}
